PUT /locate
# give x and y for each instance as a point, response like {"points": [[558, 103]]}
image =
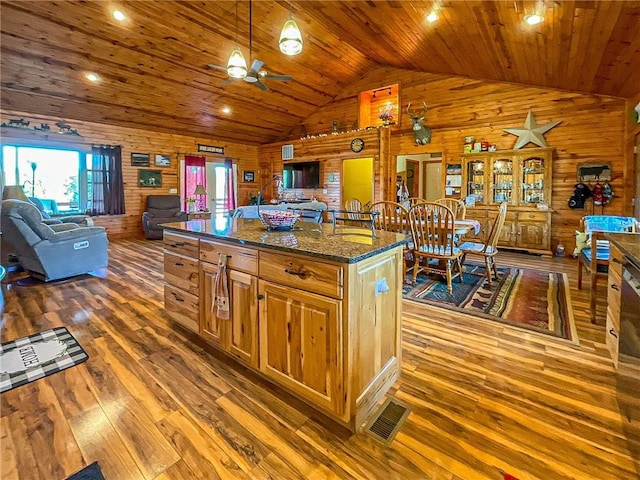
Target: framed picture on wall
{"points": [[163, 160], [149, 178], [140, 159], [249, 176]]}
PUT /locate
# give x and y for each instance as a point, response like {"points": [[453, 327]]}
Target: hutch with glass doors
{"points": [[522, 178]]}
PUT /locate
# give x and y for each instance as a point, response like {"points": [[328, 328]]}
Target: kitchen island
{"points": [[314, 312]]}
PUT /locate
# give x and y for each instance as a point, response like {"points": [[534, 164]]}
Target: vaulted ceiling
{"points": [[154, 73]]}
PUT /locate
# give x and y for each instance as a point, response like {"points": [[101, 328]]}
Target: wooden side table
{"points": [[199, 216]]}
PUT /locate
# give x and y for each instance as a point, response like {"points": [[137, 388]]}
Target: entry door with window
{"points": [[58, 178]]}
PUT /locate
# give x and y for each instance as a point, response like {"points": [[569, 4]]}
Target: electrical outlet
{"points": [[325, 191], [173, 190]]}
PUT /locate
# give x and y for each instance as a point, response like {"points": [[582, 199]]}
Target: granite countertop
{"points": [[308, 238], [628, 243]]}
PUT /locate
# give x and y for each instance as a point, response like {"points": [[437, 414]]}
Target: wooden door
{"points": [[242, 334], [301, 343], [533, 235], [210, 325]]}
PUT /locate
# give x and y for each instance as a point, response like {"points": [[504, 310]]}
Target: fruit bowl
{"points": [[278, 219]]}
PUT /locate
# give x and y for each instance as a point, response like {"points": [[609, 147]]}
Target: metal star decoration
{"points": [[531, 132]]}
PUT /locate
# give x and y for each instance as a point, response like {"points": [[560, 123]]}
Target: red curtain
{"points": [[229, 198], [195, 173]]}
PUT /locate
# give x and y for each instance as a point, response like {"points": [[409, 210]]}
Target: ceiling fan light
{"points": [[237, 66], [290, 38]]}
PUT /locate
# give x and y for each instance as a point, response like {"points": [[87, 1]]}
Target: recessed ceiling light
{"points": [[118, 15], [92, 77], [226, 109], [533, 19], [432, 17]]}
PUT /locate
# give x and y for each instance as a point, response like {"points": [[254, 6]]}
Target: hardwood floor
{"points": [[150, 403]]}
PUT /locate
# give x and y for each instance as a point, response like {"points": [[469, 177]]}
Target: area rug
{"points": [[534, 300], [90, 472], [30, 358]]}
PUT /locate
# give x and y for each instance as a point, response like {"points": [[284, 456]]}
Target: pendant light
{"points": [[290, 37], [237, 65]]}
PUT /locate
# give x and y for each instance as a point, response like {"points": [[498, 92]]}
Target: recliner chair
{"points": [[51, 252], [161, 209]]}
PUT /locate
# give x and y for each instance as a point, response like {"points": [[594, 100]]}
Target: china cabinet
{"points": [[453, 180], [522, 179]]}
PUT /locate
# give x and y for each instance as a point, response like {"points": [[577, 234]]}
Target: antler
{"points": [[410, 112]]}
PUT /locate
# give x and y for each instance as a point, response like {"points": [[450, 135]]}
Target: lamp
{"points": [[290, 37], [199, 191], [237, 65]]}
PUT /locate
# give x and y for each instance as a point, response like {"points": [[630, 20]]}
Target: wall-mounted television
{"points": [[301, 175]]}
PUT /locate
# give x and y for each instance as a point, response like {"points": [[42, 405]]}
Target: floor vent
{"points": [[386, 422]]}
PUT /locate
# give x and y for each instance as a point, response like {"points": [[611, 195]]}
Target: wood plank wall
{"points": [[592, 129], [331, 150], [146, 141], [632, 186]]}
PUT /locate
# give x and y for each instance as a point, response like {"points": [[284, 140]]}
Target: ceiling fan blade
{"points": [[217, 67], [261, 85], [284, 78]]}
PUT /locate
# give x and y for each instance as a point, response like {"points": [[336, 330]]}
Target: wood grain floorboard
{"points": [[153, 402]]}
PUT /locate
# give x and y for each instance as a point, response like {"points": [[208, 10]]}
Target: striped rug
{"points": [[534, 300]]}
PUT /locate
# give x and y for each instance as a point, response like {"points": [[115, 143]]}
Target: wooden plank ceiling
{"points": [[154, 72]]}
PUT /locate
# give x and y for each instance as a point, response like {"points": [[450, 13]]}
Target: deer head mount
{"points": [[421, 132]]}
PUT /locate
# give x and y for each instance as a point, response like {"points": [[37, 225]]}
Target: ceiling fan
{"points": [[254, 75]]}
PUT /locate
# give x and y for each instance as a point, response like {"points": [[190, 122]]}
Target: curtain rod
{"points": [[204, 154]]}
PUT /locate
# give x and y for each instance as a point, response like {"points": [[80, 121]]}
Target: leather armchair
{"points": [[51, 252], [161, 209]]}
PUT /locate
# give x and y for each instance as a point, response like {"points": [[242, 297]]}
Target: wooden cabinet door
{"points": [[210, 325], [533, 235], [242, 329], [239, 333], [301, 343]]}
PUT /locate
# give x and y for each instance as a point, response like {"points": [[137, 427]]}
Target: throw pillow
{"points": [[583, 239]]}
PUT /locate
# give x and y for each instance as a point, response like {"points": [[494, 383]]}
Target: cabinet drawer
{"points": [[181, 244], [240, 258], [612, 341], [181, 272], [182, 307], [303, 273], [616, 260], [533, 216], [614, 282]]}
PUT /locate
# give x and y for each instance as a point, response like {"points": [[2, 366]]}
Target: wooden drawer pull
{"points": [[613, 333], [615, 287], [178, 264], [303, 274], [177, 298]]}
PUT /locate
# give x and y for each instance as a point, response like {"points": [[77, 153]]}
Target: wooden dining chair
{"points": [[432, 230], [455, 204], [393, 217], [488, 249]]}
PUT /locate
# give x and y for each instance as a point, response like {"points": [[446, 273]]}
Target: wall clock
{"points": [[357, 145]]}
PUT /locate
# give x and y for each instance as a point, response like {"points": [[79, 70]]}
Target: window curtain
{"points": [[106, 185], [195, 173], [230, 184]]}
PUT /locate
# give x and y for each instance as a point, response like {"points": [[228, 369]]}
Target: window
{"points": [[58, 178]]}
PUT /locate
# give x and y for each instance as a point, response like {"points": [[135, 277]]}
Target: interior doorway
{"points": [[357, 180], [421, 174]]}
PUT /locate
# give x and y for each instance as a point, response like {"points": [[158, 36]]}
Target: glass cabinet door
{"points": [[476, 180], [502, 180], [533, 178]]}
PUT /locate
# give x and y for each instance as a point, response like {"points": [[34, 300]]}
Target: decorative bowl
{"points": [[278, 219]]}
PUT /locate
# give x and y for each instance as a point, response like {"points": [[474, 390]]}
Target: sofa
{"points": [[51, 252], [161, 209]]}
